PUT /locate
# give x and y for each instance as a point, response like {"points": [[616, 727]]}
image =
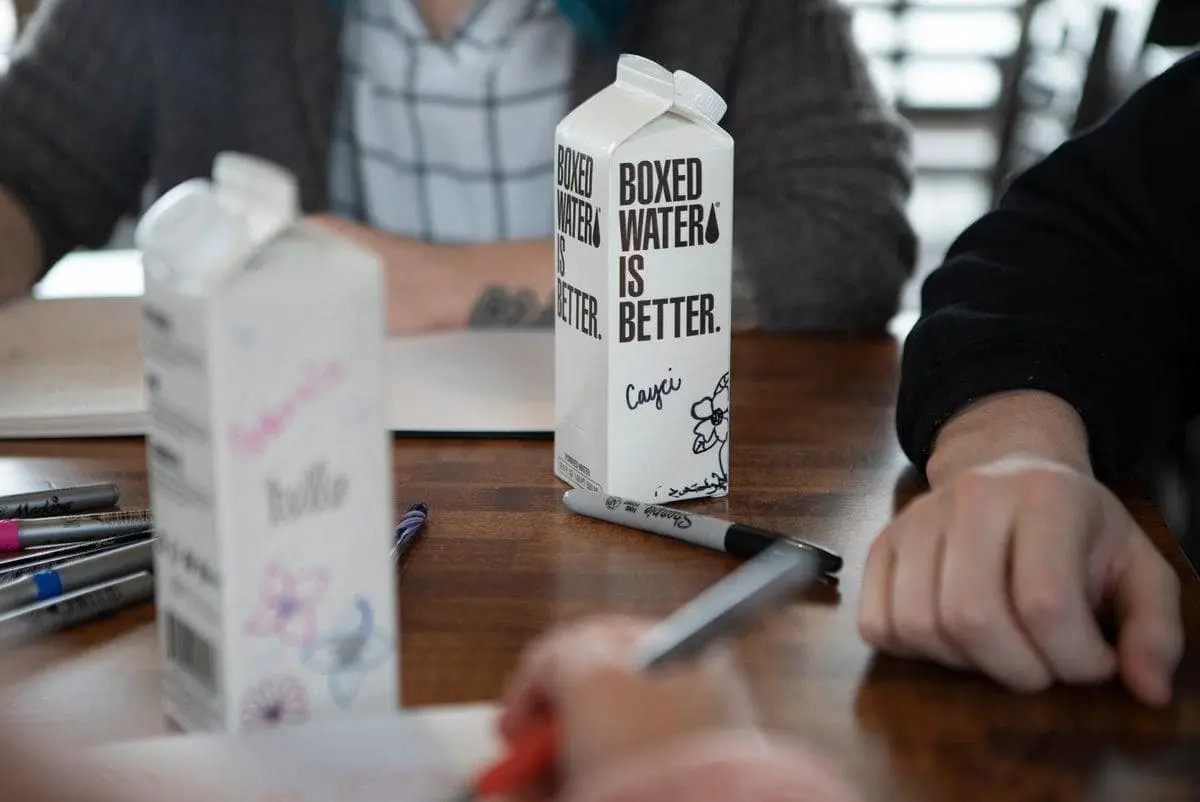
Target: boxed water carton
{"points": [[269, 457], [644, 217]]}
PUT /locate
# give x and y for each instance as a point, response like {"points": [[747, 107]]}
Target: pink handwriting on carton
{"points": [[251, 439]]}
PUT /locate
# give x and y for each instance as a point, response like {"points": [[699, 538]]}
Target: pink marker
{"points": [[23, 534]]}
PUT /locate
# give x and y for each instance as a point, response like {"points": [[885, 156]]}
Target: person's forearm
{"points": [[1004, 424], [510, 283], [20, 249]]}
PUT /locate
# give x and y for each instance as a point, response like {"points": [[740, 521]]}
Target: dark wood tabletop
{"points": [[814, 454]]}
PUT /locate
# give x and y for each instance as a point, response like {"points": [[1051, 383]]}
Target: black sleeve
{"points": [[75, 119], [1083, 282]]}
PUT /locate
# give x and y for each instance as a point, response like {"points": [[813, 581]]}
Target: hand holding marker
{"points": [[769, 580]]}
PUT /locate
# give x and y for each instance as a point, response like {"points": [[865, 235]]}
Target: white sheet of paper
{"points": [[69, 366], [423, 755]]}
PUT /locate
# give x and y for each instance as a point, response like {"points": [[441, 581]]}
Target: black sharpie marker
{"points": [[736, 540]]}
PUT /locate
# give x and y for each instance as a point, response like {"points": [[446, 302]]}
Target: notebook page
{"points": [[70, 367]]}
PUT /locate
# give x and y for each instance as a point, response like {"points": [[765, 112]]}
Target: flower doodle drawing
{"points": [[711, 431], [288, 605], [274, 702], [347, 654]]}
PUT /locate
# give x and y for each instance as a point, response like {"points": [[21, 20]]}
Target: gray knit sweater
{"points": [[105, 97]]}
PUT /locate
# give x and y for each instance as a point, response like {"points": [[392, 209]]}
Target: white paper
{"points": [[70, 367], [423, 755]]}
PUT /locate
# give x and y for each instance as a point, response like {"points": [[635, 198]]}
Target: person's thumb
{"points": [[1150, 640]]}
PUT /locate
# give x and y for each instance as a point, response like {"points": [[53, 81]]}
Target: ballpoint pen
{"points": [[408, 529]]}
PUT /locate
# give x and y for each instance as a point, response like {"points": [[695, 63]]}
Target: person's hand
{"points": [[687, 733], [583, 676], [1002, 568], [424, 292]]}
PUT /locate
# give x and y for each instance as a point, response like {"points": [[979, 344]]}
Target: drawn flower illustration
{"points": [[288, 605], [711, 414], [712, 418], [349, 653], [274, 702]]}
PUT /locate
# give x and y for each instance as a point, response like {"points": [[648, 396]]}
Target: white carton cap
{"points": [[644, 74], [189, 239], [698, 98], [262, 193]]}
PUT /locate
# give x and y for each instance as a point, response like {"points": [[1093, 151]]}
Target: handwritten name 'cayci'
{"points": [[636, 397]]}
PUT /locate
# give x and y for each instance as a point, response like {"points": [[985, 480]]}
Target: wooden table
{"points": [[814, 453]]}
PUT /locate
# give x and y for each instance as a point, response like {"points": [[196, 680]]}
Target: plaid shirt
{"points": [[451, 140]]}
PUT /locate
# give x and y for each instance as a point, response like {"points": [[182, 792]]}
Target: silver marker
{"points": [[75, 608], [59, 501], [762, 582], [30, 562], [78, 574], [23, 534]]}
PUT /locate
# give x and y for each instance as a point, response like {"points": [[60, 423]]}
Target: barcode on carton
{"points": [[189, 650]]}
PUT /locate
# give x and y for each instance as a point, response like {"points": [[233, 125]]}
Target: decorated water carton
{"points": [[269, 457], [644, 218]]}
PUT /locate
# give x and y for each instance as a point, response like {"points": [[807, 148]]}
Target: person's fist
{"points": [[583, 675], [1003, 568]]}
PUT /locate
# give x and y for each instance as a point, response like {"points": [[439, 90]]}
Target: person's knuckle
{"points": [[873, 628], [1028, 680], [966, 621], [1040, 605], [912, 628], [1167, 580], [1044, 489], [876, 554], [973, 489]]}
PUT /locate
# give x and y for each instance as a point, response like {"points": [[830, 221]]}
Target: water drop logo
{"points": [[712, 229], [596, 228]]}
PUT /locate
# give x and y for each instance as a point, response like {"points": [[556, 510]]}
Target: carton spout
{"points": [[643, 74], [697, 100], [189, 240], [261, 193]]}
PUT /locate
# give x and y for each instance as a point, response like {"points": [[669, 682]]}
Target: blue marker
{"points": [[77, 575], [408, 529]]}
